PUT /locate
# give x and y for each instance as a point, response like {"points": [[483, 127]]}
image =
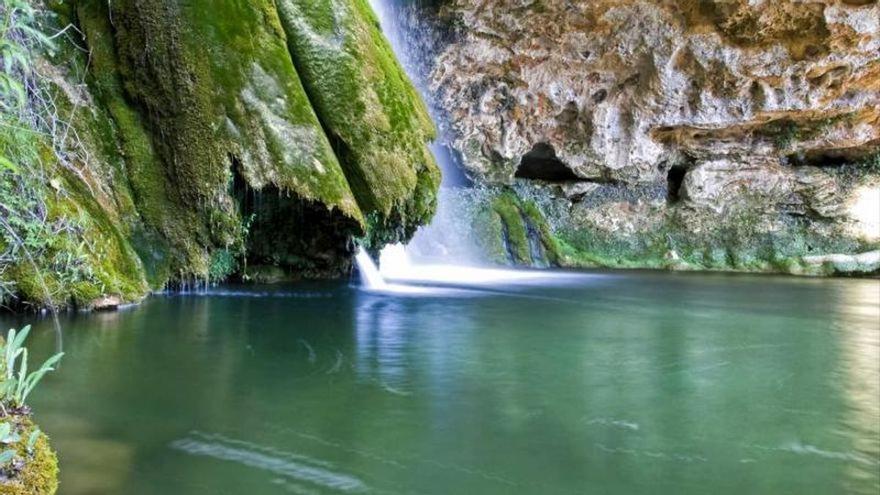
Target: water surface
{"points": [[606, 383]]}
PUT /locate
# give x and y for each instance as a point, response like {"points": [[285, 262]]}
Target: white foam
{"points": [[371, 279], [395, 265]]}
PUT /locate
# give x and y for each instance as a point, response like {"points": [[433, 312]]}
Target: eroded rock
{"points": [[756, 117]]}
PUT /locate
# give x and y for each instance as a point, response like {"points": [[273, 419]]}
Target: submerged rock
{"points": [[698, 126]]}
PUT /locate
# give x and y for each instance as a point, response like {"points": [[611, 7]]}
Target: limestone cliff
{"points": [[210, 138], [692, 134]]}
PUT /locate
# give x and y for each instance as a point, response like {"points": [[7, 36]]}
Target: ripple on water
{"points": [[303, 469]]}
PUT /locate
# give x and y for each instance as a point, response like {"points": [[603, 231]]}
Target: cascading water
{"points": [[440, 253], [371, 279]]}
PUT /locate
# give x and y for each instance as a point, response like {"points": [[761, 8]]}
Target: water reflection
{"points": [[860, 374], [381, 346], [633, 383]]}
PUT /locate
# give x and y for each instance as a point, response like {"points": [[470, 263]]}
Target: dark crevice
{"points": [[674, 180], [536, 244], [817, 160], [354, 175], [300, 236], [834, 157], [505, 242], [541, 163]]}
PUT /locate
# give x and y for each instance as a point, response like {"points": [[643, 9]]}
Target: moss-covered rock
{"points": [[371, 112], [514, 231], [196, 147], [34, 471]]}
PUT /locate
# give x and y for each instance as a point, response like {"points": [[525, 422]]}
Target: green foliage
{"points": [[786, 134], [57, 244], [17, 385], [223, 264], [27, 465], [18, 35], [32, 439], [7, 437]]}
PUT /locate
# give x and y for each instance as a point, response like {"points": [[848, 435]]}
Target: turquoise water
{"points": [[606, 383]]}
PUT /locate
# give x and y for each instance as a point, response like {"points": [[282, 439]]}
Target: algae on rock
{"points": [[376, 121], [209, 137], [699, 134], [39, 474]]}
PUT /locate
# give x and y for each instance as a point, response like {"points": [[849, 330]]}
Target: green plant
{"points": [[871, 163], [32, 439], [40, 250], [18, 38], [786, 135], [16, 385], [7, 438], [10, 440]]}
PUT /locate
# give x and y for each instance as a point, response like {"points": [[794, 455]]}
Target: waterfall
{"points": [[447, 239], [371, 279], [443, 253]]}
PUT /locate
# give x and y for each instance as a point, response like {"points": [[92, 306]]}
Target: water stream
{"points": [[440, 253]]}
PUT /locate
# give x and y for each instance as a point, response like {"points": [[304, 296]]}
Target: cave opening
{"points": [[299, 236], [541, 163], [674, 181]]}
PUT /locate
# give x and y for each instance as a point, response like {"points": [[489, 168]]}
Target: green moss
{"points": [[223, 264], [66, 248], [490, 236], [192, 108], [506, 206], [537, 220], [39, 476], [376, 121], [511, 230], [215, 94], [746, 240]]}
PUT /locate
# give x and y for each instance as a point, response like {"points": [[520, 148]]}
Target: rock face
{"points": [[208, 136], [734, 134]]}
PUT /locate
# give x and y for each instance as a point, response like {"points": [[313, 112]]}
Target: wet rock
{"points": [[724, 183], [106, 303], [847, 263], [756, 119]]}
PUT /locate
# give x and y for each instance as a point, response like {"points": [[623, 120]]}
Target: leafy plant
{"points": [[32, 439], [30, 234], [16, 385], [18, 37], [7, 437]]}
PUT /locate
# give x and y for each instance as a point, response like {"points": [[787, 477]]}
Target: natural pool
{"points": [[618, 383]]}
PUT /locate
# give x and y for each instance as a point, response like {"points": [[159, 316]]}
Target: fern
{"points": [[17, 384]]}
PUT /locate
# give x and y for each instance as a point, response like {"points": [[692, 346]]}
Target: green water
{"points": [[614, 383]]}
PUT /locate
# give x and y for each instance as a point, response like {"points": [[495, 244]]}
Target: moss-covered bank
{"points": [[210, 135], [37, 474], [513, 225]]}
